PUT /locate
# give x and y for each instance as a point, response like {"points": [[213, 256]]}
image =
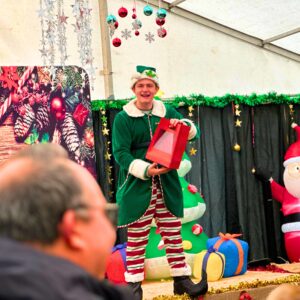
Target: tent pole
{"points": [[106, 54]]}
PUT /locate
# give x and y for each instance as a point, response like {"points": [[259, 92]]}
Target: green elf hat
{"points": [[144, 72]]}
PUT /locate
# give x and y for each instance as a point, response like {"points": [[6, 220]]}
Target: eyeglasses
{"points": [[110, 209]]}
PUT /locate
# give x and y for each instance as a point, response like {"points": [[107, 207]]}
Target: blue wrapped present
{"points": [[234, 250]]}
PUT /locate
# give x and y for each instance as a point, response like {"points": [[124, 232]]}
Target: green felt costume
{"points": [[131, 131]]}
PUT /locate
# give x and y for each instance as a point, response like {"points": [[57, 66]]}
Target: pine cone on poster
{"points": [[70, 135], [42, 118], [23, 122]]}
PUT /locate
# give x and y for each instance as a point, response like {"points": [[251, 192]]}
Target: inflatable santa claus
{"points": [[289, 197]]}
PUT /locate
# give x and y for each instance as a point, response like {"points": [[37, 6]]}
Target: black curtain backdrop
{"points": [[236, 200]]}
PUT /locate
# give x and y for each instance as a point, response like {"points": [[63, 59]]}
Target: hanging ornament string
{"points": [[82, 27], [160, 20], [43, 51], [61, 29]]}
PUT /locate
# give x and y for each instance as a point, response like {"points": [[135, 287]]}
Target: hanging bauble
{"points": [[122, 12], [116, 24], [162, 32], [137, 24], [15, 98], [56, 104], [237, 147], [160, 22], [161, 13], [111, 19], [116, 42], [137, 33], [148, 10], [60, 115], [133, 16]]}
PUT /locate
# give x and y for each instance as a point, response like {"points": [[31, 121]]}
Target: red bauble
{"points": [[31, 101], [160, 22], [162, 32], [60, 115], [45, 99], [122, 12], [15, 98], [38, 98], [56, 104], [137, 33], [116, 24], [133, 16], [116, 42]]}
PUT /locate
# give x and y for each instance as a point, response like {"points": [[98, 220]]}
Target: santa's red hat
{"points": [[293, 152]]}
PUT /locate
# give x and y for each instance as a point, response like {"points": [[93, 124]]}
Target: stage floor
{"points": [[257, 284]]}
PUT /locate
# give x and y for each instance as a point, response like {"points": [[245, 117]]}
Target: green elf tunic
{"points": [[131, 130]]}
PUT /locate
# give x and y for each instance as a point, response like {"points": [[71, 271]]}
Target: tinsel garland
{"points": [[295, 279], [200, 100]]}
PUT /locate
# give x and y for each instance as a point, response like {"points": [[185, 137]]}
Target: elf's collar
{"points": [[158, 109]]}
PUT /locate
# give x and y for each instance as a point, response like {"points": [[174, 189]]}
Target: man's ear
{"points": [[69, 231]]}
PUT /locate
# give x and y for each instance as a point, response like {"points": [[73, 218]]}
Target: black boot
{"points": [[137, 290], [183, 284]]}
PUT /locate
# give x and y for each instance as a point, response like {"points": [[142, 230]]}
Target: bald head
{"points": [[37, 186]]}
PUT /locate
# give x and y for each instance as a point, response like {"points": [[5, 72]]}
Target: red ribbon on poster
{"points": [[168, 144]]}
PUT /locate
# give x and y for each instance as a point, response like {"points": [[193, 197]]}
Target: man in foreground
{"points": [[54, 235]]}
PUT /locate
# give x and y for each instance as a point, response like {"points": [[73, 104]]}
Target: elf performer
{"points": [[289, 197], [147, 191]]}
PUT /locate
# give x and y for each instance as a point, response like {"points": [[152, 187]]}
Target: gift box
{"points": [[234, 250], [212, 262], [116, 265], [168, 144]]}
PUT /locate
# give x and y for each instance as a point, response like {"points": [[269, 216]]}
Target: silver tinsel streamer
{"points": [[82, 28], [61, 30]]}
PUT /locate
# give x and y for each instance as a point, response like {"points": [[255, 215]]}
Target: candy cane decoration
{"points": [[21, 82]]}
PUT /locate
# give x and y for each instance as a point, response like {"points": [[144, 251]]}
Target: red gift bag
{"points": [[168, 144]]}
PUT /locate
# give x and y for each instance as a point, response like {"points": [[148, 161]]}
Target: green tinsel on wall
{"points": [[200, 100]]}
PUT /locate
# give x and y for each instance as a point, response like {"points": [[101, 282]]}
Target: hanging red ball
{"points": [[162, 32], [116, 24], [137, 33], [122, 12], [56, 104], [15, 98], [116, 42], [60, 115], [133, 16], [160, 22]]}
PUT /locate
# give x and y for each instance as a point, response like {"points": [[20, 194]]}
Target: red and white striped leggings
{"points": [[138, 233]]}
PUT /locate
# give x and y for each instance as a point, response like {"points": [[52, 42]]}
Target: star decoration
{"points": [[104, 119], [107, 156], [190, 114], [105, 131], [237, 106], [103, 112], [190, 108], [62, 19], [193, 151], [238, 123], [149, 37], [238, 112], [126, 34]]}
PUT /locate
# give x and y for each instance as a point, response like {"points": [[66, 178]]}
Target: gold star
{"points": [[193, 151], [105, 131], [103, 112], [237, 106], [110, 180], [190, 114], [190, 108], [291, 106], [238, 112], [107, 156], [238, 123]]}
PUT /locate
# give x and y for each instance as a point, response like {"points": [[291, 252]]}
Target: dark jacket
{"points": [[28, 274]]}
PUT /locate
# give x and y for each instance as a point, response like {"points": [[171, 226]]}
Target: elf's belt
{"points": [[140, 146], [291, 218]]}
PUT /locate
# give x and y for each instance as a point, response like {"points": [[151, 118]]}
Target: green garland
{"points": [[200, 100]]}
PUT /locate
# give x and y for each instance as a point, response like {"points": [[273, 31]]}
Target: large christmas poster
{"points": [[46, 104]]}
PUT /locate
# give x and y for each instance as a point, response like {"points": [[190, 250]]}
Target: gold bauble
{"points": [[237, 147]]}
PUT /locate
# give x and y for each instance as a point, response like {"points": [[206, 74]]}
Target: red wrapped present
{"points": [[80, 114], [168, 144]]}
